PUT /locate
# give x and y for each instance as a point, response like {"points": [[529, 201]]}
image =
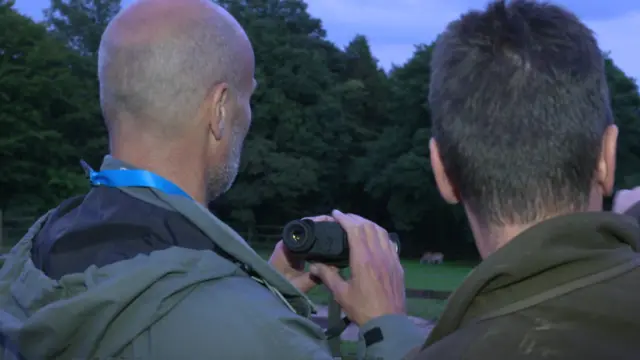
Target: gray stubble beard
{"points": [[221, 177]]}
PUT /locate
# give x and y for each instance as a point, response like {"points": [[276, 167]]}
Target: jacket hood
{"points": [[74, 317]]}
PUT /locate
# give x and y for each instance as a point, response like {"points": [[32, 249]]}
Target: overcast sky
{"points": [[394, 27]]}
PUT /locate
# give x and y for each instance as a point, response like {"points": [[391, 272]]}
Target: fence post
{"points": [[1, 231], [249, 238], [335, 317]]}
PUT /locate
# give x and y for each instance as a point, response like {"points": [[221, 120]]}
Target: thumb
{"points": [[331, 279]]}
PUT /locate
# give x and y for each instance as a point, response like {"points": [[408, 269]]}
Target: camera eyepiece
{"points": [[298, 236], [323, 241]]}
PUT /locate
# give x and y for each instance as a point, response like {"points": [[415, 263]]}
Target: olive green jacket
{"points": [[568, 288]]}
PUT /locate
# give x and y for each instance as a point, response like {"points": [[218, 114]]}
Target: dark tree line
{"points": [[331, 129]]}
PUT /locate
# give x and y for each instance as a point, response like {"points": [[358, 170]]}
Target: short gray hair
{"points": [[167, 78]]}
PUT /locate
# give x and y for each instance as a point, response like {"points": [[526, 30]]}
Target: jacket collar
{"points": [[551, 253], [111, 163]]}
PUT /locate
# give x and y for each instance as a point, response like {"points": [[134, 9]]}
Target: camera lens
{"points": [[298, 236]]}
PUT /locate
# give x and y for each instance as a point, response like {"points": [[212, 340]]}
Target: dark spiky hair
{"points": [[519, 104]]}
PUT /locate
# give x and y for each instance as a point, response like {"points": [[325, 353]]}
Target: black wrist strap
{"points": [[337, 329], [373, 336]]}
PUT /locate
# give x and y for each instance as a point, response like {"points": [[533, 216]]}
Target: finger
{"points": [[357, 219], [371, 233], [346, 221], [282, 259], [358, 249], [278, 253], [379, 244], [375, 234], [378, 249], [383, 237], [320, 218], [332, 280], [368, 226]]}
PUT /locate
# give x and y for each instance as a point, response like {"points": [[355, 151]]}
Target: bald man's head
{"points": [[159, 60], [176, 78]]}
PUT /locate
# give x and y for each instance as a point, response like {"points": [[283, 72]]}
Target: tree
{"points": [[369, 107], [625, 101], [365, 103], [80, 23], [330, 128], [298, 122], [40, 97], [396, 170]]}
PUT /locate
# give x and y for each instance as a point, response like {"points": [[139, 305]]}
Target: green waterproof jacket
{"points": [[173, 304], [566, 289]]}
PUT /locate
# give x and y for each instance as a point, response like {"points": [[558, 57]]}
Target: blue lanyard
{"points": [[132, 178]]}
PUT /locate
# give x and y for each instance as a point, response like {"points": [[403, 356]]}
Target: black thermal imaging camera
{"points": [[324, 242]]}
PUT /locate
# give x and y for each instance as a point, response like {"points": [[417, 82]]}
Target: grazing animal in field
{"points": [[432, 258]]}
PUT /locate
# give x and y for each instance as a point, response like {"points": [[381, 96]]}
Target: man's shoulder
{"points": [[595, 322], [239, 318], [536, 334], [235, 297], [105, 226]]}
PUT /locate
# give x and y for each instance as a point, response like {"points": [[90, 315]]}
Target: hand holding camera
{"points": [[292, 265], [321, 240], [376, 286]]}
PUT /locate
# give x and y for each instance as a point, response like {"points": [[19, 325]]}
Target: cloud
{"points": [[401, 15], [620, 36], [393, 30]]}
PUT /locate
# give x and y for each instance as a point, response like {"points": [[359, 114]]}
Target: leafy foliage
{"points": [[331, 129]]}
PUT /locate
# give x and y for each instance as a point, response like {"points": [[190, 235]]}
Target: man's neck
{"points": [[169, 165], [491, 240]]}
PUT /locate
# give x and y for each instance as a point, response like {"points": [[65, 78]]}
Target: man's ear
{"points": [[218, 101], [606, 170], [446, 188]]}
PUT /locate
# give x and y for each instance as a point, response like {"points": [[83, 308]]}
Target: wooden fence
{"points": [[13, 226]]}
